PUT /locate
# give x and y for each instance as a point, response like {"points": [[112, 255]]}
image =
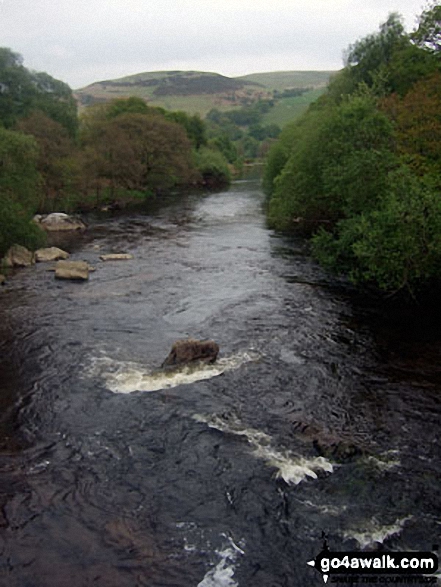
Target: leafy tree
{"points": [[212, 166], [417, 119], [138, 152], [56, 161], [19, 189], [396, 246], [363, 165], [371, 54], [56, 100], [16, 90], [226, 147], [22, 91], [132, 105], [428, 33], [194, 126]]}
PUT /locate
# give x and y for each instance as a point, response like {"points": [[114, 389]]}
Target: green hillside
{"points": [[282, 80], [287, 109], [198, 92]]}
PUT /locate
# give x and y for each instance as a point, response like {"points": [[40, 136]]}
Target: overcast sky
{"points": [[82, 41]]}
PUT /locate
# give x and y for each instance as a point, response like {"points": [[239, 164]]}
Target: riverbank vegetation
{"points": [[361, 170], [118, 152]]}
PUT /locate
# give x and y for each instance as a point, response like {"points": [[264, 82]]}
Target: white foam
{"points": [[330, 510], [222, 574], [128, 377], [376, 533], [291, 468]]}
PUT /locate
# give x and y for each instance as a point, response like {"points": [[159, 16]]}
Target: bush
{"points": [[16, 227], [212, 166], [396, 246], [19, 189]]}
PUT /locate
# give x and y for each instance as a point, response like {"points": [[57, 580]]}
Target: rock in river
{"points": [[78, 270], [116, 257], [50, 254], [18, 256], [190, 350], [59, 221]]}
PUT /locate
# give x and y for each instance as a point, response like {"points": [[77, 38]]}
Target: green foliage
{"points": [[223, 144], [23, 91], [360, 170], [194, 126], [132, 105], [19, 178], [371, 54], [16, 87], [212, 166], [56, 161], [16, 227], [135, 151], [396, 245], [19, 190], [428, 34]]}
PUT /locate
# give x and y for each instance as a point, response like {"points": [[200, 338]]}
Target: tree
{"points": [[428, 33], [194, 126], [22, 91], [339, 160], [369, 60], [19, 189], [56, 160], [16, 90], [138, 152], [395, 246], [362, 167], [417, 120]]}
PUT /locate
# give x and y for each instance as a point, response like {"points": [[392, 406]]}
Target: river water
{"points": [[317, 418]]}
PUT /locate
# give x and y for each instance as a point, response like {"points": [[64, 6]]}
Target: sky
{"points": [[83, 41]]}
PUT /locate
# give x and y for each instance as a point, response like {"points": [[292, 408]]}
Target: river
{"points": [[317, 420]]}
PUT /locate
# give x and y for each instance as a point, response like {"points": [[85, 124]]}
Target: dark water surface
{"points": [[317, 418]]}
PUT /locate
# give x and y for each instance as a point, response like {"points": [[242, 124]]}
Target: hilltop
{"points": [[198, 92]]}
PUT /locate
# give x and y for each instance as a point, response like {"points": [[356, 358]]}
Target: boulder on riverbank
{"points": [[2, 279], [18, 256], [58, 221], [190, 350], [76, 270], [50, 254]]}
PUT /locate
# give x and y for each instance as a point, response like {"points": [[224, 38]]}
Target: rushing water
{"points": [[315, 418]]}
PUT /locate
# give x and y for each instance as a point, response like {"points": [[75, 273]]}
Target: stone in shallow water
{"points": [[189, 350], [59, 221], [77, 270], [50, 254], [18, 256]]}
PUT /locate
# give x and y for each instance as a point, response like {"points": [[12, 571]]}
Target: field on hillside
{"points": [[287, 109], [282, 80]]}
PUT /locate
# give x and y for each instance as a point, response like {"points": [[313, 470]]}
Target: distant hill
{"points": [[199, 92]]}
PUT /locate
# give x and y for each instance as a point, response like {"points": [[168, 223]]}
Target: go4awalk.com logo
{"points": [[410, 568]]}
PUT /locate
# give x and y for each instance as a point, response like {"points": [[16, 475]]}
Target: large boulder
{"points": [[190, 350], [77, 270], [59, 221], [18, 256], [50, 254]]}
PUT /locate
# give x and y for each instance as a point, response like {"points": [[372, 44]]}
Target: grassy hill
{"points": [[283, 80], [198, 92]]}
